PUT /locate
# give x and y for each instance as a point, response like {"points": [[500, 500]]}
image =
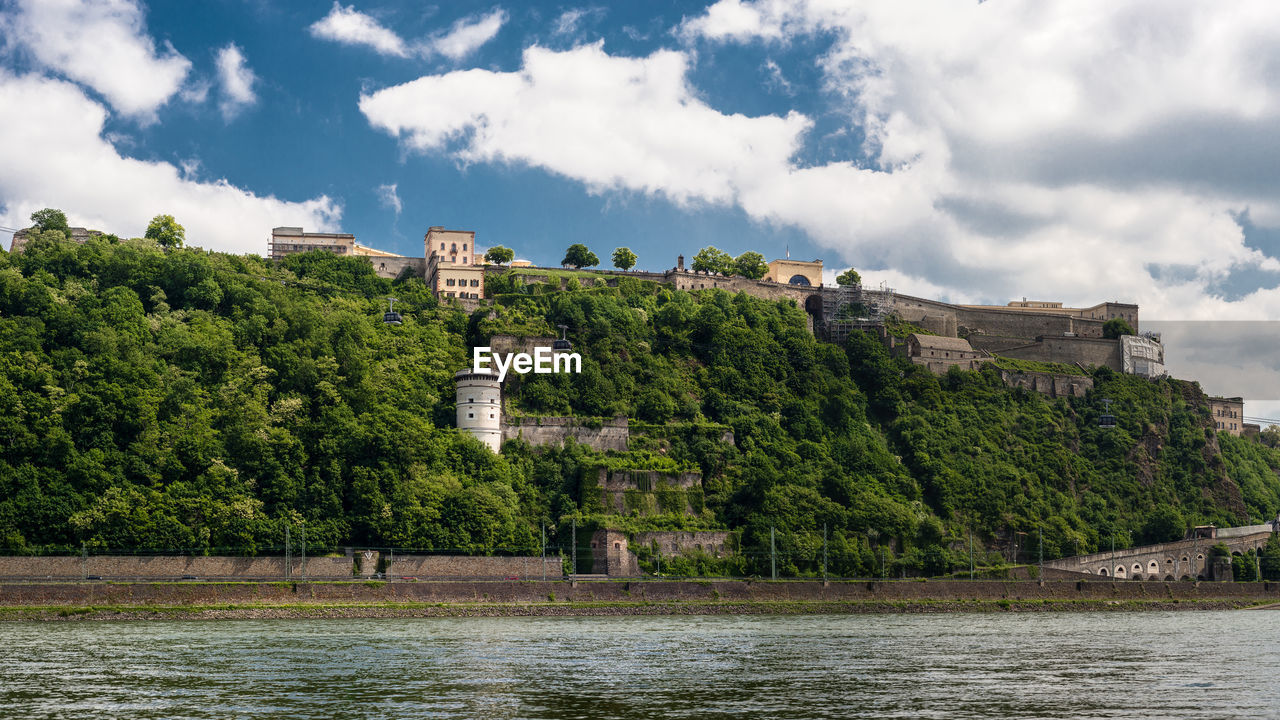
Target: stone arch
{"points": [[813, 305], [1153, 567], [1168, 578], [1185, 577], [1137, 568], [799, 280], [1120, 572], [1136, 576], [1103, 572]]}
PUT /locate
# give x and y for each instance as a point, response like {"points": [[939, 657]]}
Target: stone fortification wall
{"points": [[1088, 352], [970, 321], [686, 280], [611, 434], [611, 554], [706, 593], [672, 542], [615, 485], [173, 567], [462, 566], [513, 344], [1052, 384], [391, 267]]}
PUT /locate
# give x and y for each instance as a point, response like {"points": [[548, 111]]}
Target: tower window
{"points": [[471, 415], [471, 400]]}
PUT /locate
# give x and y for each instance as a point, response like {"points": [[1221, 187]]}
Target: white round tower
{"points": [[480, 406]]}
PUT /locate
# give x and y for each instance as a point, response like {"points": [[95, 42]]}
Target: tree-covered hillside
{"points": [[168, 399]]}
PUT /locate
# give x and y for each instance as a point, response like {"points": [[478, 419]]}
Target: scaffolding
{"points": [[846, 308]]}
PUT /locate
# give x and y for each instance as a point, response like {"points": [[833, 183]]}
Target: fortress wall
{"points": [[706, 593], [613, 434], [756, 288], [513, 344], [463, 566], [1054, 385], [172, 567], [1086, 351], [390, 267], [672, 542], [614, 486]]}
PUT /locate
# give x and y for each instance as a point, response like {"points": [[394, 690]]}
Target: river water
{"points": [[1050, 665]]}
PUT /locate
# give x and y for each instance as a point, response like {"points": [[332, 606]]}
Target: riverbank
{"points": [[588, 609], [216, 600]]}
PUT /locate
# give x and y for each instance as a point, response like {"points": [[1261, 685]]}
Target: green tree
{"points": [[711, 259], [166, 232], [1115, 327], [624, 259], [849, 277], [499, 255], [1165, 524], [750, 265], [579, 257], [51, 219]]}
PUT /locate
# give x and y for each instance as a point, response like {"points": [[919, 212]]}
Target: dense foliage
{"points": [[185, 399]]}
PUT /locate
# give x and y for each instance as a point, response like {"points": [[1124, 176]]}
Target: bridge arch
{"points": [[1137, 568], [1120, 572], [1153, 568], [1103, 572]]}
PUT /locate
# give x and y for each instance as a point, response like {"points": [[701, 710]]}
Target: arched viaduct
{"points": [[1179, 560]]}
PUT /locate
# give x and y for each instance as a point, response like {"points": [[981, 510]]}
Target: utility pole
{"points": [[543, 524], [824, 552], [574, 539], [288, 554], [1041, 531], [971, 553], [773, 555], [304, 550]]}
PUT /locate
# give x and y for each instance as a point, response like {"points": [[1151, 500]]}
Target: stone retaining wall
{"points": [[110, 567], [461, 566]]}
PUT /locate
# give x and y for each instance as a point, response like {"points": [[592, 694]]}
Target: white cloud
{"points": [[351, 27], [467, 35], [55, 156], [571, 22], [610, 122], [102, 44], [236, 80], [1038, 148], [389, 198]]}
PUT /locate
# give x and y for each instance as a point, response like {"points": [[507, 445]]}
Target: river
{"points": [[981, 665]]}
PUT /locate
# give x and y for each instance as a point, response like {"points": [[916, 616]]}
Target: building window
{"points": [[471, 415], [617, 546], [475, 283], [449, 282], [441, 247], [464, 259], [490, 416], [464, 247], [471, 400]]}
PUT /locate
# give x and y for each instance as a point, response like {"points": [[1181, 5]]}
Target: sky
{"points": [[1072, 150]]}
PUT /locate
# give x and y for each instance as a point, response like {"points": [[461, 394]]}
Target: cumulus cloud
{"points": [[467, 35], [236, 81], [1049, 148], [610, 122], [55, 156], [102, 44], [389, 198], [351, 27]]}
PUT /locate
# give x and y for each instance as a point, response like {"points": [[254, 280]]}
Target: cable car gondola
{"points": [[1106, 419], [391, 317], [563, 344]]}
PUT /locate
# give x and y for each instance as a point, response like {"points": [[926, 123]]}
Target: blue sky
{"points": [[1073, 150]]}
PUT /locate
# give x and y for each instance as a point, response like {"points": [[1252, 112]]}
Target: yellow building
{"points": [[454, 268], [795, 272], [1228, 414]]}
